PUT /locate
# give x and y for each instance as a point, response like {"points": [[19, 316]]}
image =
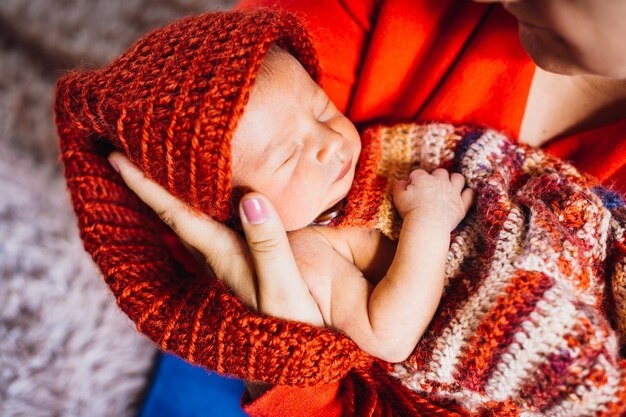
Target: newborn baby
{"points": [[294, 146]]}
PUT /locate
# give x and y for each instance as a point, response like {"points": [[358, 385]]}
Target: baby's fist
{"points": [[433, 197]]}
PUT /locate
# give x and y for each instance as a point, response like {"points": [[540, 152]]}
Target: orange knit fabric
{"points": [[532, 316], [153, 107], [171, 103]]}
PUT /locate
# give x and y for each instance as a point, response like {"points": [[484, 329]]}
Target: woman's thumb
{"points": [[276, 269], [264, 232]]}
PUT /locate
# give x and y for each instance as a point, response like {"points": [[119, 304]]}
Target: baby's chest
{"points": [[325, 254]]}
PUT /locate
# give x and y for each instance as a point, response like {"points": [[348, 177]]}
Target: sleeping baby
{"points": [[295, 147]]}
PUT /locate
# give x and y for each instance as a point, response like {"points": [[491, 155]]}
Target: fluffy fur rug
{"points": [[65, 348]]}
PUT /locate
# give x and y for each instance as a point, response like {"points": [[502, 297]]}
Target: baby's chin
{"points": [[333, 209], [296, 219], [327, 213], [347, 181]]}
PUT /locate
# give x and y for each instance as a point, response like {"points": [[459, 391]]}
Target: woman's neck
{"points": [[560, 105]]}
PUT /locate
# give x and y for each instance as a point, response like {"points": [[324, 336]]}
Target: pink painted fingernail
{"points": [[255, 210], [114, 165]]}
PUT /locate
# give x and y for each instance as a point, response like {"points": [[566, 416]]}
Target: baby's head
{"points": [[292, 144], [219, 102]]}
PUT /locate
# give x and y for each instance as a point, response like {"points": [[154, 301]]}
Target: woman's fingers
{"points": [[276, 269], [223, 250], [266, 237], [268, 244], [263, 273]]}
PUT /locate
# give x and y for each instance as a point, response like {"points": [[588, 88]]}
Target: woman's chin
{"points": [[551, 53], [557, 67], [548, 51], [572, 67]]}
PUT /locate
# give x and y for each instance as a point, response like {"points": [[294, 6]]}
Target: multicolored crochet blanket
{"points": [[534, 312]]}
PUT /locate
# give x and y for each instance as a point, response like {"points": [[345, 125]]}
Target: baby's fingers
{"points": [[416, 174], [400, 185], [441, 172], [458, 181], [467, 197]]}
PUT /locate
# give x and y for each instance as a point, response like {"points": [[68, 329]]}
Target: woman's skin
{"points": [[581, 53], [572, 37], [581, 84], [265, 254]]}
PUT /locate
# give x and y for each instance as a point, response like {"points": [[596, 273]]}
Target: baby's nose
{"points": [[330, 143]]}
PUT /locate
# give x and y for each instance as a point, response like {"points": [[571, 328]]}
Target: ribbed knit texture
{"points": [[534, 311], [173, 100], [171, 103]]}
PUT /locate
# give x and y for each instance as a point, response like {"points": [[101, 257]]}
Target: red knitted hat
{"points": [[171, 103], [173, 100]]}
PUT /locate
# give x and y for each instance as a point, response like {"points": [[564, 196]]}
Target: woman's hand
{"points": [[229, 257], [261, 270]]}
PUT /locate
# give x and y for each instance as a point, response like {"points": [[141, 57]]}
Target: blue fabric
{"points": [[183, 390]]}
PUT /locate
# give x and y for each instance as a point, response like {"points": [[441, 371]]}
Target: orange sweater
{"points": [[399, 60]]}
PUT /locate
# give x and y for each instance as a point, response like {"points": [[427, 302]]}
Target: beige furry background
{"points": [[65, 348]]}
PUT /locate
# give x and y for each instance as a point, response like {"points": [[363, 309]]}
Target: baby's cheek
{"points": [[295, 214]]}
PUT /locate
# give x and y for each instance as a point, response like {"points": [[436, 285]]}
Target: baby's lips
{"points": [[344, 170]]}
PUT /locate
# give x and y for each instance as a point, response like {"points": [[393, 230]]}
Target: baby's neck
{"points": [[327, 216]]}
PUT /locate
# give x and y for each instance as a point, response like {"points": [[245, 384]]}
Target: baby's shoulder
{"points": [[370, 251], [314, 241]]}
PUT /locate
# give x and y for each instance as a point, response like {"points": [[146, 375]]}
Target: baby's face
{"points": [[292, 144]]}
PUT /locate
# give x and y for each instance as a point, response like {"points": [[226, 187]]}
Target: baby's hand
{"points": [[433, 197]]}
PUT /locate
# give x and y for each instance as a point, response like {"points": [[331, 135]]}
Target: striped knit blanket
{"points": [[534, 312]]}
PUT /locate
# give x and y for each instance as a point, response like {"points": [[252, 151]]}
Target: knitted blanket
{"points": [[534, 311]]}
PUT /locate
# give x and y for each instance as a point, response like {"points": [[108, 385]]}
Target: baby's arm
{"points": [[387, 321], [405, 300]]}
